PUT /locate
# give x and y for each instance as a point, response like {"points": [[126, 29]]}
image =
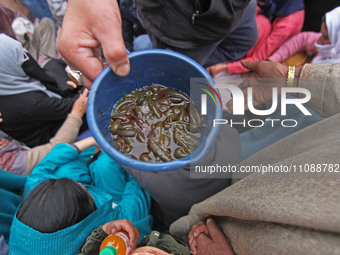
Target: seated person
{"points": [[32, 112], [277, 21], [64, 200], [326, 46], [278, 212], [19, 159], [154, 244]]}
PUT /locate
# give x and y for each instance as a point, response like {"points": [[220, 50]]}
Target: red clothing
{"points": [[282, 29]]}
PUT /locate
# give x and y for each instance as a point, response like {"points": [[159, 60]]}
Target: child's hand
{"points": [[79, 106], [115, 226]]}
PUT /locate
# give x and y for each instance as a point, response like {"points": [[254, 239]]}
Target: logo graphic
{"points": [[204, 98], [240, 100]]}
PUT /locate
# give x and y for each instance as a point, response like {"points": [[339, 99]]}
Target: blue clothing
{"points": [[11, 187], [280, 8], [39, 8], [142, 42], [25, 240], [108, 183]]}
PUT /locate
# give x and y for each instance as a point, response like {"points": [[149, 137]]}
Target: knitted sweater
{"points": [[116, 194]]}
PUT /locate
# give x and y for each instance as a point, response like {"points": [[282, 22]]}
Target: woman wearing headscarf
{"points": [[325, 45], [32, 113]]}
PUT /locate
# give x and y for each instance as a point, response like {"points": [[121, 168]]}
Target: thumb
{"points": [[215, 232], [251, 65], [115, 53]]}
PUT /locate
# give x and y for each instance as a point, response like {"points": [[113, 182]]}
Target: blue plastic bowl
{"points": [[148, 67]]}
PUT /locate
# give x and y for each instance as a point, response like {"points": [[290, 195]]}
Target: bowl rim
{"points": [[126, 161]]}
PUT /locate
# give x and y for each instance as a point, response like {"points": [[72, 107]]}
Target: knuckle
{"points": [[115, 53]]}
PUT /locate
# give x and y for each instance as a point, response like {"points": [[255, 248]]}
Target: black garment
{"points": [[233, 46], [190, 23], [33, 117], [314, 10], [53, 76], [131, 25]]}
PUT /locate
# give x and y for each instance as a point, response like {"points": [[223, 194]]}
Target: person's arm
{"points": [[33, 70], [66, 133], [135, 203], [304, 41], [281, 32], [60, 155], [322, 80], [88, 24], [93, 242]]}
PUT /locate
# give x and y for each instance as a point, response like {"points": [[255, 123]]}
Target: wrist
{"points": [[75, 147], [77, 113], [298, 70]]}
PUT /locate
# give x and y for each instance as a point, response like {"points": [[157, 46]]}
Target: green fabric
{"points": [[166, 242], [93, 242]]}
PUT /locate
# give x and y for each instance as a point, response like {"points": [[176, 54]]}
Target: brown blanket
{"points": [[285, 213]]}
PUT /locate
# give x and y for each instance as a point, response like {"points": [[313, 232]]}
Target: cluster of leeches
{"points": [[156, 124]]}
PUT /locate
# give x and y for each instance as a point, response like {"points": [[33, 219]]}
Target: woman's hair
{"points": [[55, 204]]}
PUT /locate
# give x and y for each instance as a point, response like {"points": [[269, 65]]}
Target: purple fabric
{"points": [[3, 246], [6, 18]]}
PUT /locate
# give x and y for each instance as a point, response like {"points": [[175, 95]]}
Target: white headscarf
{"points": [[330, 53], [13, 79]]}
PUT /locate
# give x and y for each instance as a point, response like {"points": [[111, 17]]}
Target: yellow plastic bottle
{"points": [[117, 244]]}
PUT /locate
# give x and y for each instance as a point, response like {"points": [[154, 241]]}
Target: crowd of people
{"points": [[61, 194]]}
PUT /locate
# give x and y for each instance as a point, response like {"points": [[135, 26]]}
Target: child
{"points": [[65, 200]]}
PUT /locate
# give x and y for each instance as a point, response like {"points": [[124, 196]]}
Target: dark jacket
{"points": [[131, 24], [190, 23], [280, 8]]}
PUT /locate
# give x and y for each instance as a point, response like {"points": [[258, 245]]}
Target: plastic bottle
{"points": [[117, 244]]}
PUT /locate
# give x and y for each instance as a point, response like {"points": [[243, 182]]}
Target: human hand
{"points": [[264, 77], [86, 26], [197, 229], [72, 84], [1, 119], [213, 243], [215, 69], [79, 106], [115, 226]]}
